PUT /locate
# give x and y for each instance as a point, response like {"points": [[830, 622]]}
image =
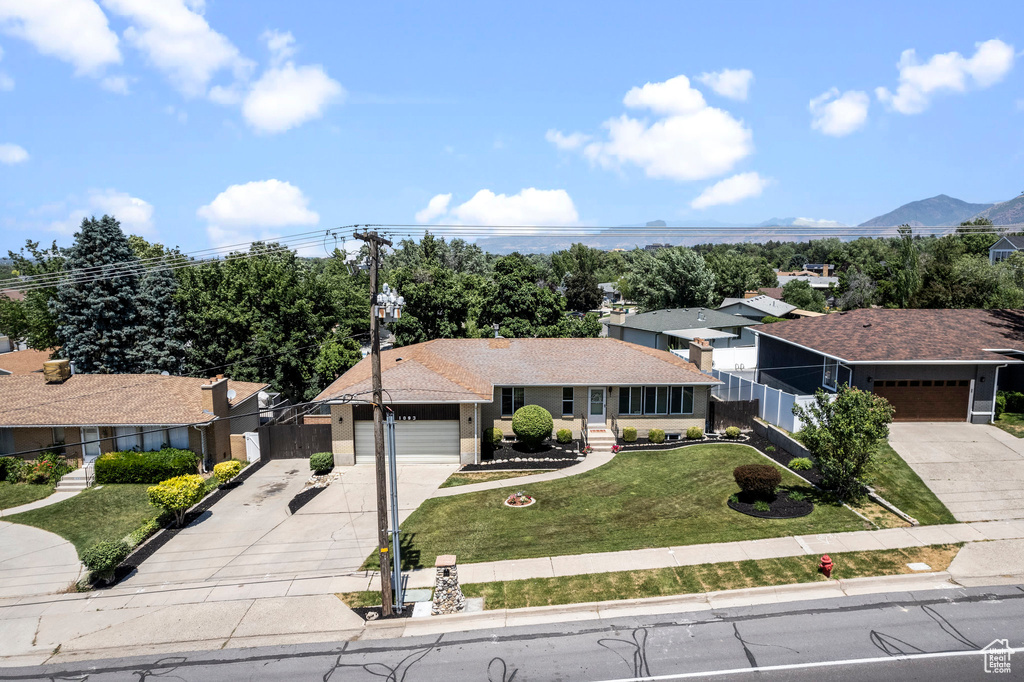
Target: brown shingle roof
{"points": [[27, 400], [467, 370], [13, 294], [24, 361], [886, 335]]}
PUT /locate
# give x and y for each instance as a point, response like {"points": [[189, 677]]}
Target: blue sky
{"points": [[209, 123]]}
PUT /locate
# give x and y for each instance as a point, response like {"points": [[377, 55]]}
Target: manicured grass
{"points": [[514, 594], [638, 500], [17, 494], [107, 512], [469, 477], [894, 480], [1012, 423]]}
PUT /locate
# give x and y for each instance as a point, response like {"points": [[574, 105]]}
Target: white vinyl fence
{"points": [[774, 406], [726, 359]]}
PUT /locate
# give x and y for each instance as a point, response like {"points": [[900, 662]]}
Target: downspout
{"points": [[476, 433], [202, 438]]}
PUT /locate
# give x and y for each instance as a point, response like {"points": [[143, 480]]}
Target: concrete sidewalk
{"points": [[33, 561], [592, 461]]}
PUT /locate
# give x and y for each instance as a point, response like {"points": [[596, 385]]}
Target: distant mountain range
{"points": [[941, 210]]}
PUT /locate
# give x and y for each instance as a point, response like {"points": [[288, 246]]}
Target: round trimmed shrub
{"points": [[800, 464], [757, 479], [103, 558], [177, 494], [629, 434], [321, 462], [225, 471], [564, 436], [694, 433], [493, 435], [732, 432], [532, 425], [656, 436]]}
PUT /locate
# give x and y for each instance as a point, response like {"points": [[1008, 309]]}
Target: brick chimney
{"points": [[824, 270], [750, 294], [700, 354], [618, 316], [215, 396], [218, 435]]}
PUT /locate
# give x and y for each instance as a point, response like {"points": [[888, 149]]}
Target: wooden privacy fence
{"points": [[293, 441]]}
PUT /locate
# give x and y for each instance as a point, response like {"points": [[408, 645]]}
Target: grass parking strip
{"points": [[894, 480], [663, 582]]}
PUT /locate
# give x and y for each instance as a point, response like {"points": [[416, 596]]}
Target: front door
{"points": [[595, 415], [91, 438]]}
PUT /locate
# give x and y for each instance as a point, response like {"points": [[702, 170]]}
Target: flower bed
{"points": [[780, 507], [519, 499], [511, 455], [645, 444]]}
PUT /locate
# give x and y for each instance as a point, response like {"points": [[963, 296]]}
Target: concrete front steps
{"points": [[601, 439], [76, 481]]}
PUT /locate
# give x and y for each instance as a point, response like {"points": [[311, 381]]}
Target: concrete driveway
{"points": [[34, 561], [250, 533], [976, 470]]}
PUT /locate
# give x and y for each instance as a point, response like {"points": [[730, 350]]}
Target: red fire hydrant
{"points": [[826, 565]]}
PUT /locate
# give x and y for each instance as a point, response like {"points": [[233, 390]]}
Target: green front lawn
{"points": [[894, 480], [471, 477], [107, 512], [1012, 423], [17, 494], [638, 500]]}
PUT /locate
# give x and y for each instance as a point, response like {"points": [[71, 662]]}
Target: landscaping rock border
{"points": [[553, 455], [781, 507], [644, 444]]}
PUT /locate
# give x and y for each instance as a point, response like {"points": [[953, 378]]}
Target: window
{"points": [[828, 379], [567, 407], [681, 401], [6, 441], [511, 400], [630, 400], [153, 438], [178, 437], [58, 435], [656, 400], [128, 438]]}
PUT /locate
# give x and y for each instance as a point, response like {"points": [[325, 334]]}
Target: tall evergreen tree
{"points": [[160, 346], [96, 313]]}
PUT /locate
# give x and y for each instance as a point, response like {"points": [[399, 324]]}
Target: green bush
{"points": [[769, 319], [564, 436], [629, 434], [694, 433], [493, 435], [1009, 401], [135, 538], [103, 558], [177, 494], [1000, 404], [796, 495], [225, 471], [800, 464], [145, 467], [757, 479], [48, 467], [732, 432], [321, 462], [656, 436], [762, 506], [734, 498], [11, 469], [769, 448], [532, 424]]}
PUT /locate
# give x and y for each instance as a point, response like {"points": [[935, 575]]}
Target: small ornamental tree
{"points": [[759, 480], [843, 435], [177, 494], [532, 424], [225, 471]]}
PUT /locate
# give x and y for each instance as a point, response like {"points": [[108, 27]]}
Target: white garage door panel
{"points": [[427, 442]]}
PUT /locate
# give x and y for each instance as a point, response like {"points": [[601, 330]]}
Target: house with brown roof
{"points": [[446, 392], [23, 361], [932, 365], [87, 415]]}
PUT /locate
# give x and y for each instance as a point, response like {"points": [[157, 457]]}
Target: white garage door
{"points": [[425, 442]]}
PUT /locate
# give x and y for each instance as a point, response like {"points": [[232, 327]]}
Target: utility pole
{"points": [[387, 608]]}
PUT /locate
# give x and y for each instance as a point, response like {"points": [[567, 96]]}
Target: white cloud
{"points": [[134, 214], [567, 142], [74, 31], [437, 206], [244, 213], [839, 114], [731, 83], [530, 206], [692, 141], [115, 84], [178, 41], [674, 96], [11, 154], [813, 222], [286, 95], [731, 190], [948, 72]]}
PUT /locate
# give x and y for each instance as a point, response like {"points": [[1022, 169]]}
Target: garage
{"points": [[927, 400], [424, 434]]}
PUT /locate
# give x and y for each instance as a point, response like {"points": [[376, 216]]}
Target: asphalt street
{"points": [[932, 635]]}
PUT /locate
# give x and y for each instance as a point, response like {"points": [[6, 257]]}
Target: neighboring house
{"points": [[1004, 248], [674, 328], [756, 307], [932, 365], [446, 392], [814, 279], [22, 361], [89, 414], [610, 293], [822, 269], [771, 292]]}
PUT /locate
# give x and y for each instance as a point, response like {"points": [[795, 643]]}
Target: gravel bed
{"points": [[780, 508]]}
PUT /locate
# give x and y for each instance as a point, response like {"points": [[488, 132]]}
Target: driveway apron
{"points": [[34, 561]]}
